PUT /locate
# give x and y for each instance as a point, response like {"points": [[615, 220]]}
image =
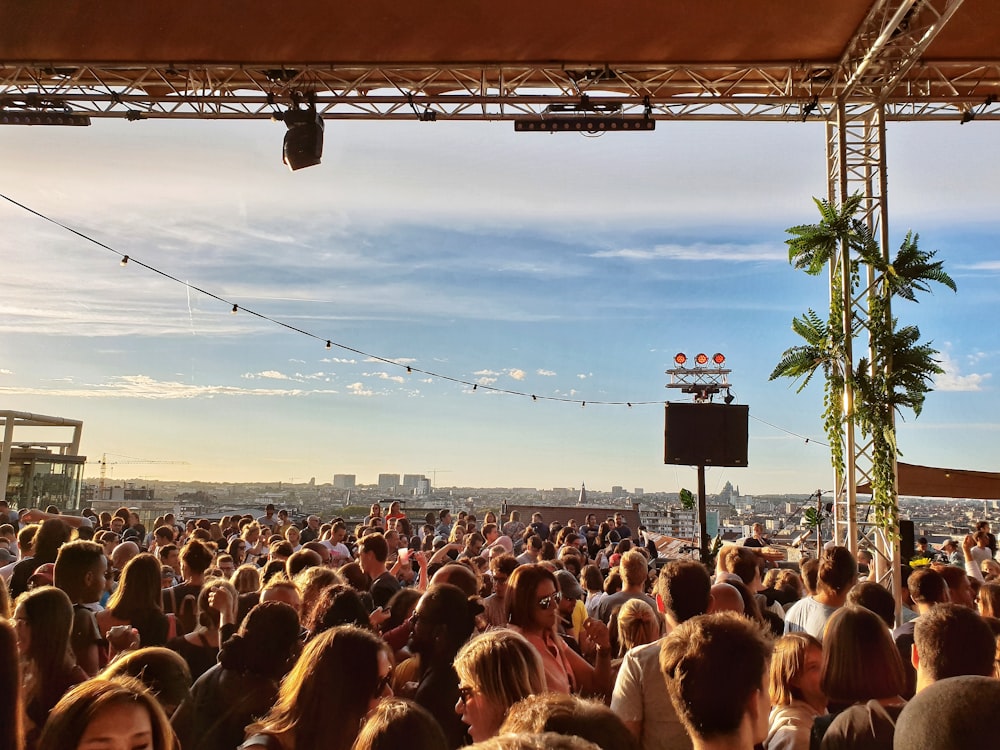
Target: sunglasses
{"points": [[465, 693], [547, 601]]}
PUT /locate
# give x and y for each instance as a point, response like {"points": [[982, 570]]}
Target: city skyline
{"points": [[558, 266]]}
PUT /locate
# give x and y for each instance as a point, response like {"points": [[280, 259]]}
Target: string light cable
{"points": [[126, 259]]}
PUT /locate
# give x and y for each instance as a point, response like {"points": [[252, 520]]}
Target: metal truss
{"points": [[882, 59], [757, 92]]}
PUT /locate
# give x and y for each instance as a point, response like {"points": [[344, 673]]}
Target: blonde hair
{"points": [[638, 624], [503, 666], [246, 579], [787, 663]]}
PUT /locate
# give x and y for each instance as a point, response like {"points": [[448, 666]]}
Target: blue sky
{"points": [[552, 264]]}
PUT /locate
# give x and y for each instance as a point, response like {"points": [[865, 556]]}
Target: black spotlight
{"points": [[303, 145]]}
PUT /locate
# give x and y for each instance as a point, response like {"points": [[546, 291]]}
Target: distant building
{"points": [[617, 491], [412, 480], [388, 482], [639, 492], [344, 481], [423, 487]]}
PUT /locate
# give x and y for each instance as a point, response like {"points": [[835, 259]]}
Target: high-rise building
{"points": [[412, 480], [639, 492], [344, 481], [388, 482], [617, 491], [423, 487]]}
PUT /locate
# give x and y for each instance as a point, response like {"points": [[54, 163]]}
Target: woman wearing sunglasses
{"points": [[533, 596]]}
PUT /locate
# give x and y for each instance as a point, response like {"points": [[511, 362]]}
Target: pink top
{"points": [[553, 650]]}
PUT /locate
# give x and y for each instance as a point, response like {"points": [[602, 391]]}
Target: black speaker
{"points": [[706, 434], [907, 543]]}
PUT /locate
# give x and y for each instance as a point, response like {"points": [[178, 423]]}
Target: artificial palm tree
{"points": [[899, 373]]}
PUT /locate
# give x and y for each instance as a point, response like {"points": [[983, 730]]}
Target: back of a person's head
{"points": [[927, 586], [684, 588], [874, 597], [197, 556], [267, 642], [398, 723], [809, 570], [338, 604], [453, 610], [953, 576], [696, 653], [376, 544], [461, 574], [952, 640], [533, 741], [838, 570], [634, 568], [570, 715], [860, 660], [740, 561], [951, 714], [503, 564], [162, 670], [636, 624]]}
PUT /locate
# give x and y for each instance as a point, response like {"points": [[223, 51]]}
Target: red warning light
{"points": [[719, 358], [680, 358], [701, 359]]}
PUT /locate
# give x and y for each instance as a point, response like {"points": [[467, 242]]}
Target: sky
{"points": [[558, 265]]}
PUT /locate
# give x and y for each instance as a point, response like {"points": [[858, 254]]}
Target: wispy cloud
{"points": [[954, 380], [145, 387], [517, 374], [733, 253], [359, 389], [385, 376], [5, 371], [545, 373]]}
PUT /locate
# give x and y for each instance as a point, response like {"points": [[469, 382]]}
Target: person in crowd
{"points": [[634, 569], [495, 670], [444, 619], [837, 573], [593, 584], [640, 697], [136, 604], [51, 535], [959, 584], [569, 715], [797, 697], [862, 678], [952, 714], [338, 604], [164, 673], [951, 641], [11, 707], [43, 620], [316, 692], [245, 682], [196, 558], [927, 589], [246, 579], [80, 571], [514, 528], [877, 598], [572, 612], [216, 611], [728, 713], [237, 549], [988, 599], [108, 713], [373, 551], [757, 538], [636, 624], [398, 723], [495, 605], [534, 599]]}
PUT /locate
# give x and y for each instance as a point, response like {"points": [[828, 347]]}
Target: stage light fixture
{"points": [[702, 359], [42, 117], [719, 358], [303, 145], [729, 398], [680, 358], [592, 124]]}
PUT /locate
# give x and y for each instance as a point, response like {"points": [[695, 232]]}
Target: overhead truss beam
{"points": [[907, 88]]}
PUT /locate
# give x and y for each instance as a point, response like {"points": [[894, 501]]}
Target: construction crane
{"points": [[434, 475], [126, 460]]}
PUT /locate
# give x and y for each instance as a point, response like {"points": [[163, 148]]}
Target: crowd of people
{"points": [[451, 631]]}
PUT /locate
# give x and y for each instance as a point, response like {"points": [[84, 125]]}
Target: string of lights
{"points": [[126, 259]]}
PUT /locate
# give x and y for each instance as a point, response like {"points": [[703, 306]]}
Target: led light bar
{"points": [[583, 124]]}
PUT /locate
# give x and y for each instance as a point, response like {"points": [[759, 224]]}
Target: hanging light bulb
{"points": [[236, 309], [124, 260], [329, 345]]}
